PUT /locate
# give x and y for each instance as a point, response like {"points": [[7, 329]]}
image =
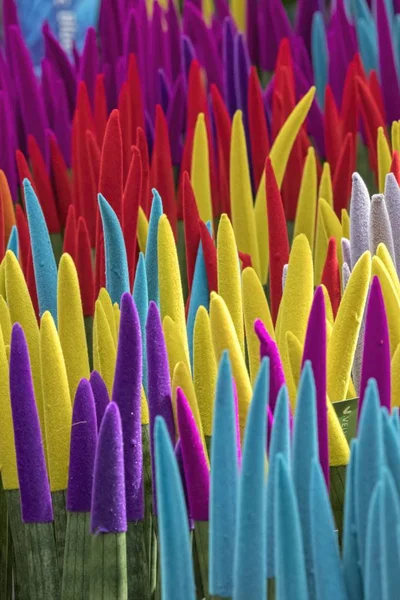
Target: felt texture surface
{"points": [[269, 348], [383, 253], [339, 452], [140, 297], [33, 482], [117, 274], [175, 345], [343, 340], [142, 230], [325, 190], [328, 573], [229, 283], [197, 474], [200, 296], [82, 450], [42, 252], [294, 350], [395, 377], [392, 303], [177, 580], [374, 550], [111, 165], [159, 385], [315, 352], [204, 369], [127, 395], [12, 243], [380, 230], [280, 444], [224, 338], [392, 201], [279, 155], [5, 320], [224, 485], [389, 515], [169, 279], [71, 326], [255, 306], [9, 474], [104, 352], [100, 395], [243, 221], [106, 303], [346, 251], [359, 218], [250, 549], [384, 158], [200, 170], [152, 248], [307, 201], [108, 511], [345, 276], [56, 404]]}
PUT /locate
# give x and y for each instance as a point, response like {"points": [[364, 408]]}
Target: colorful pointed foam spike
{"points": [[391, 447], [111, 180], [101, 397], [269, 348], [373, 568], [359, 218], [392, 200], [140, 296], [199, 297], [380, 230], [151, 256]]}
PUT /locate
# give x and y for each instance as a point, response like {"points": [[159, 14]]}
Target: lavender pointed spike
{"points": [[269, 348], [387, 64], [380, 230], [359, 219], [127, 395], [346, 250], [82, 450], [345, 275], [376, 349], [32, 474], [392, 201], [100, 394], [108, 511], [284, 275], [315, 352]]}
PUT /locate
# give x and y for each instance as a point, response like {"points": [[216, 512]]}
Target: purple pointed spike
{"points": [[108, 510], [30, 100], [61, 63], [176, 118], [387, 64], [252, 31], [134, 43], [48, 89], [228, 38], [159, 384], [221, 10], [164, 90], [242, 72], [174, 33], [82, 450], [100, 394], [110, 31], [76, 58], [274, 25], [62, 124], [269, 348], [301, 58], [197, 474], [7, 147], [89, 64], [304, 14], [376, 349], [32, 475], [315, 352], [337, 62], [347, 30], [188, 55], [127, 395], [9, 18]]}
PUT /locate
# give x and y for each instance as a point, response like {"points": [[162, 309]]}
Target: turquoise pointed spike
{"points": [[200, 296], [152, 250], [13, 241], [391, 443], [290, 577], [373, 548], [390, 515], [44, 263], [395, 419], [177, 579], [280, 443], [117, 274], [250, 549], [328, 572], [319, 54], [140, 296], [224, 485]]}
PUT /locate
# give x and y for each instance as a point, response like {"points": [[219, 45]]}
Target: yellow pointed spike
{"points": [[384, 159], [22, 312], [243, 221], [3, 279], [328, 305], [104, 350], [321, 245], [279, 155], [395, 372], [208, 11], [106, 303], [333, 228], [345, 224], [239, 14], [200, 170], [383, 253], [175, 347], [343, 340], [295, 355], [145, 409], [229, 284], [5, 321], [8, 463], [339, 451], [169, 277], [56, 404], [392, 304], [71, 326], [395, 135], [307, 202], [325, 185], [142, 230], [351, 390], [255, 306], [224, 338], [204, 369]]}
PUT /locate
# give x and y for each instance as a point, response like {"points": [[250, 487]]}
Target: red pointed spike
{"points": [[186, 166], [124, 108], [141, 143], [130, 209], [24, 242], [332, 129], [210, 257], [110, 182], [136, 96], [259, 138], [376, 92], [94, 157], [223, 127], [84, 268], [350, 104], [331, 277], [245, 260], [100, 109], [372, 119], [197, 98], [191, 228], [69, 245], [61, 180], [342, 177], [395, 166]]}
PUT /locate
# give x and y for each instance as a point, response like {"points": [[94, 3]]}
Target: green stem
{"points": [[76, 572], [148, 524], [88, 320], [17, 528], [57, 244], [337, 493], [271, 594], [201, 547], [6, 552], [44, 573], [137, 565], [60, 524], [108, 573]]}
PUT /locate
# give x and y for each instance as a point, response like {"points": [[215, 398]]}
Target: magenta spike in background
{"points": [[197, 474], [127, 394], [315, 352], [101, 397], [376, 350], [269, 348], [108, 511], [32, 475]]}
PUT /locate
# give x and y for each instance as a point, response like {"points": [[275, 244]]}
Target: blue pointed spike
{"points": [[44, 263], [177, 580], [367, 41], [319, 55], [351, 562], [152, 250], [224, 485], [117, 274], [305, 450], [391, 443], [373, 548], [140, 296], [390, 515], [13, 241], [250, 552], [200, 296], [290, 576], [328, 572], [395, 419], [370, 460], [280, 443]]}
